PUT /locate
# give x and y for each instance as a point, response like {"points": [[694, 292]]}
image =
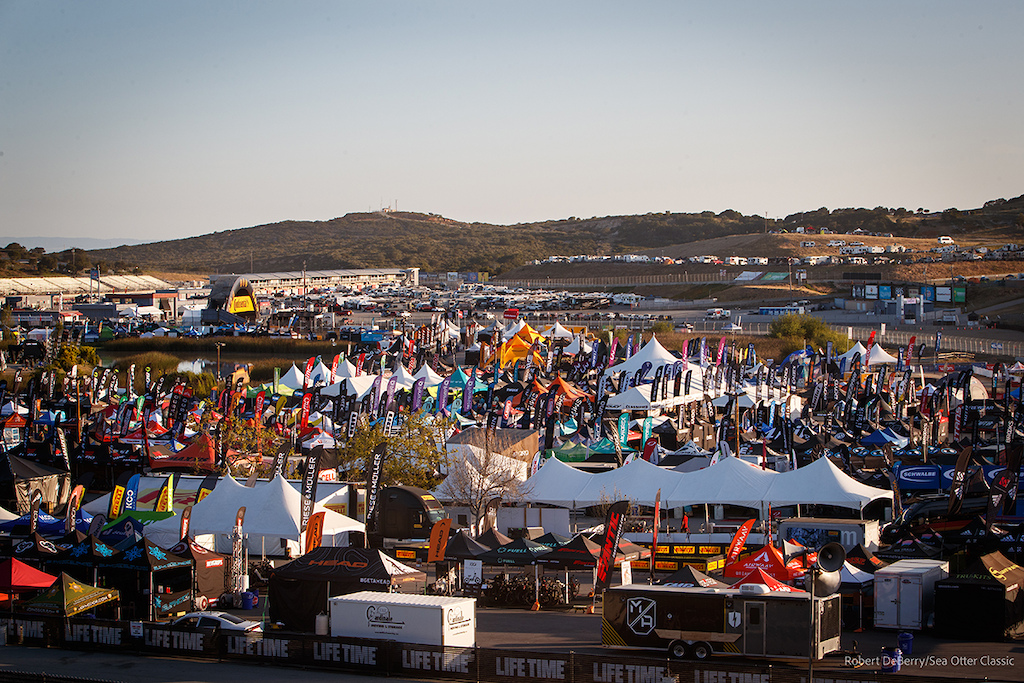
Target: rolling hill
{"points": [[437, 244]]}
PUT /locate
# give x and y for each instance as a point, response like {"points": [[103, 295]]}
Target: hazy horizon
{"points": [[155, 121]]}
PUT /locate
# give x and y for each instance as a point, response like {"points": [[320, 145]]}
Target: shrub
{"points": [[798, 330]]}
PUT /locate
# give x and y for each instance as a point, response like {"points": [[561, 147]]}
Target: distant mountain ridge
{"points": [[392, 239]]}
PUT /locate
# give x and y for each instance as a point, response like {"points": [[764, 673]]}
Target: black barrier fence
{"points": [[390, 658]]}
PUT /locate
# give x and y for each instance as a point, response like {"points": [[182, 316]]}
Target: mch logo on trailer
{"points": [[640, 615]]}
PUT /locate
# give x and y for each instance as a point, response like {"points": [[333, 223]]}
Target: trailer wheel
{"points": [[700, 651], [678, 650]]}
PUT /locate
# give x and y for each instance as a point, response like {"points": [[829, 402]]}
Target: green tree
{"points": [[797, 330], [414, 450]]}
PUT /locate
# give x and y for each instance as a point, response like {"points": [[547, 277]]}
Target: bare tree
{"points": [[478, 476]]}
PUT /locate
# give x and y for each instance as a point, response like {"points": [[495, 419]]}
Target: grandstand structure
{"points": [[75, 286]]}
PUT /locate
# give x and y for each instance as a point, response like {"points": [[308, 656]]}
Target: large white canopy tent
{"points": [[729, 482], [273, 513], [822, 483], [652, 352]]}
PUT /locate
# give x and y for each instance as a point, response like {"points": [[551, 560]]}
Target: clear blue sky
{"points": [[154, 120]]}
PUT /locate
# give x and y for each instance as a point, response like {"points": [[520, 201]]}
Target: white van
{"points": [[718, 314], [946, 239]]}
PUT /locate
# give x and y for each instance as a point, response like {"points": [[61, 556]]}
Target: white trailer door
{"points": [[886, 600], [910, 602]]}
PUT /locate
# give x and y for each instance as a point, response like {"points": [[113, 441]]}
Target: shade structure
{"points": [[552, 540], [492, 538], [273, 514], [759, 576], [299, 590], [769, 559], [688, 577], [68, 597], [652, 352], [462, 546], [863, 559], [519, 552], [16, 576], [983, 602], [822, 483], [578, 553]]}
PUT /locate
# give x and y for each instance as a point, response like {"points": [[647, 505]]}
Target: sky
{"points": [[150, 121]]}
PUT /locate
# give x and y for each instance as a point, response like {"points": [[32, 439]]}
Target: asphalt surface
{"points": [[542, 631]]}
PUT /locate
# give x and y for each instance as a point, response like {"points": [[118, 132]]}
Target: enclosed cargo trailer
{"points": [[697, 622]]}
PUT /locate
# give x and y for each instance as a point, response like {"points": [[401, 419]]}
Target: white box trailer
{"points": [[406, 618], [905, 593]]}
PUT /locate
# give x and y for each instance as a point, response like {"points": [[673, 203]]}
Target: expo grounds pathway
{"points": [[543, 631]]}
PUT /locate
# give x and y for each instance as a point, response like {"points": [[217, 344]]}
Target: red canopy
{"points": [[16, 576], [759, 576], [767, 558]]}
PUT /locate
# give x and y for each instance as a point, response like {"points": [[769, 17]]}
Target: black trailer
{"points": [[698, 622]]}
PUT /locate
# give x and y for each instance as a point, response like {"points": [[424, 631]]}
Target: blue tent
{"points": [[50, 526]]}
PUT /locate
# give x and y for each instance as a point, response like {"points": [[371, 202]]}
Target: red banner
{"points": [[649, 446], [309, 372], [613, 524], [738, 541]]}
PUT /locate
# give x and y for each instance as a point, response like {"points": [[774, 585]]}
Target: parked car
{"points": [[211, 621], [731, 327]]}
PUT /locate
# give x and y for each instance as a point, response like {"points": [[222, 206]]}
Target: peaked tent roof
{"points": [[433, 379], [557, 331], [292, 379], [556, 483], [580, 552], [17, 576], [68, 597], [993, 568], [688, 577], [852, 575], [854, 350], [492, 538], [879, 356], [759, 576], [767, 558], [272, 511], [462, 546], [363, 565], [345, 369], [822, 483], [652, 352], [519, 552], [862, 558]]}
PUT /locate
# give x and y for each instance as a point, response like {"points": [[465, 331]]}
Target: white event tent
{"points": [[272, 517], [652, 352], [729, 482]]}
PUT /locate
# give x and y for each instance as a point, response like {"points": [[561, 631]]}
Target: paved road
{"points": [[544, 631]]}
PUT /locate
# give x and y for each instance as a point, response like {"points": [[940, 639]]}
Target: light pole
{"points": [[218, 345]]}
